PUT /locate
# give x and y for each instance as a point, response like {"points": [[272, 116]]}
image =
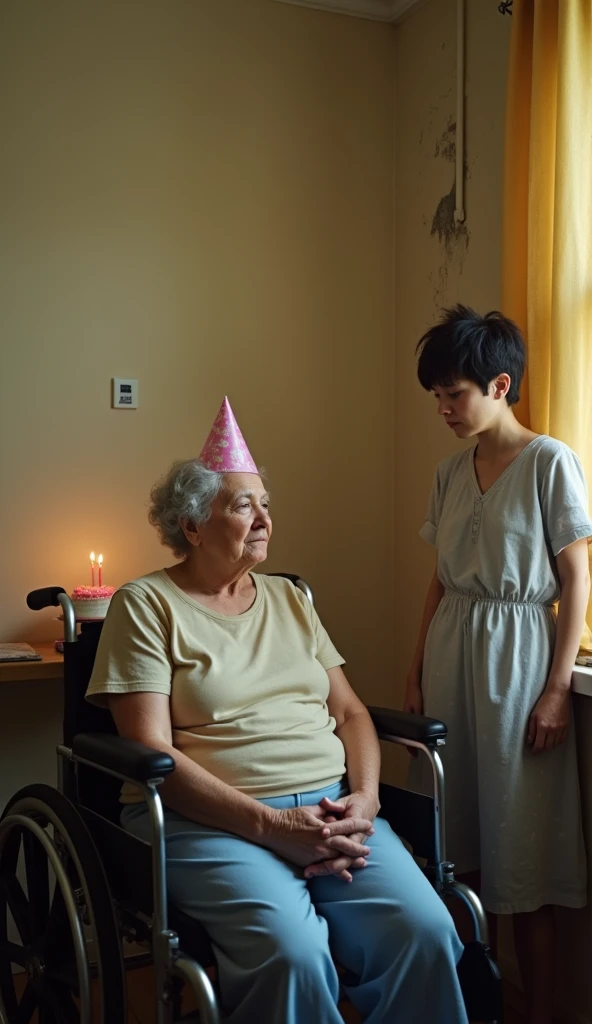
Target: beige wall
{"points": [[198, 195]]}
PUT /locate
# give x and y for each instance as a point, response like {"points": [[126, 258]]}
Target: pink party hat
{"points": [[226, 450]]}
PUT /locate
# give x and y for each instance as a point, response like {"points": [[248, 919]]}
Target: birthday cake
{"points": [[91, 602]]}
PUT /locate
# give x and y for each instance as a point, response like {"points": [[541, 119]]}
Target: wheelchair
{"points": [[74, 885]]}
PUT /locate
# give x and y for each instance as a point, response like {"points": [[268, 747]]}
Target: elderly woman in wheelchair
{"points": [[272, 836]]}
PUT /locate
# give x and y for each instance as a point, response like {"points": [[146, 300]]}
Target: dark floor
{"points": [[141, 1007], [141, 1002]]}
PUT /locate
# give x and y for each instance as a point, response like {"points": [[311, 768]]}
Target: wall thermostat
{"points": [[125, 393]]}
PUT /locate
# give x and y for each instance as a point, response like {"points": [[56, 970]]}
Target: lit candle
{"points": [[100, 561], [92, 568]]}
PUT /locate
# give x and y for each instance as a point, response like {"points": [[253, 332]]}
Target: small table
{"points": [[50, 667]]}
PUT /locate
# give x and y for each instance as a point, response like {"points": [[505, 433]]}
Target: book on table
{"points": [[18, 652]]}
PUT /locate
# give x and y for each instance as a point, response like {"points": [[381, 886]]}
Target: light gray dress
{"points": [[513, 814]]}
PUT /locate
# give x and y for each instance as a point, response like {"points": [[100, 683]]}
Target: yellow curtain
{"points": [[547, 225]]}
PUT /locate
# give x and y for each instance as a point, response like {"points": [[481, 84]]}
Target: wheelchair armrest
{"points": [[126, 758], [39, 599], [407, 727]]}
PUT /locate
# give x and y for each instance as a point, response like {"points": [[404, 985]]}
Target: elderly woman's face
{"points": [[239, 526]]}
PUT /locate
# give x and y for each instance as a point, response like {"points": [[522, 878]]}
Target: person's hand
{"points": [[303, 836], [355, 805], [413, 703], [548, 724], [360, 804]]}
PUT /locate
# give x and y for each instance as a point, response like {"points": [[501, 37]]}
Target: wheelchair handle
{"points": [[43, 598], [55, 596], [298, 582]]}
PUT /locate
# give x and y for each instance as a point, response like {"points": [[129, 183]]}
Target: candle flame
{"points": [[92, 558], [100, 559]]}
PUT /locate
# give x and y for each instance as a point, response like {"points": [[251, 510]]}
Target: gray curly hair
{"points": [[186, 492]]}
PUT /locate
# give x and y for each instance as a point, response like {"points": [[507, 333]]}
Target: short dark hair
{"points": [[466, 346]]}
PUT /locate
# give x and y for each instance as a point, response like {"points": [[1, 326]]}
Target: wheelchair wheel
{"points": [[60, 926]]}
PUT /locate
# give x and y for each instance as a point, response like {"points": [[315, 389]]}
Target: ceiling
{"points": [[376, 10]]}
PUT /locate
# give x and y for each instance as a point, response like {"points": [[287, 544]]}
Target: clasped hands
{"points": [[328, 838]]}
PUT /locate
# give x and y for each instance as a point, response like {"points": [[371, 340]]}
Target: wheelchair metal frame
{"points": [[169, 961], [444, 881]]}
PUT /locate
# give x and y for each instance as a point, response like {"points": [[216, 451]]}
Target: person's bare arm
{"points": [[299, 835], [356, 731], [413, 693], [549, 722]]}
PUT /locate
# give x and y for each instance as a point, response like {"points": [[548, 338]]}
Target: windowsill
{"points": [[582, 680]]}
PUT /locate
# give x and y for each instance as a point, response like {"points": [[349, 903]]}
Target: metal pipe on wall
{"points": [[459, 211]]}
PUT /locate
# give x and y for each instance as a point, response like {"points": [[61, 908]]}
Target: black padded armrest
{"points": [[44, 598], [406, 726], [124, 757]]}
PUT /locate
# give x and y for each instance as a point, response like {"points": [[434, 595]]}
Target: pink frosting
{"points": [[92, 593]]}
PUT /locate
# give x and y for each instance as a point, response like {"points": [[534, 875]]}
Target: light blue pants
{"points": [[275, 935]]}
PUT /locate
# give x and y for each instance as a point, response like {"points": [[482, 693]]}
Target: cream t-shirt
{"points": [[248, 693]]}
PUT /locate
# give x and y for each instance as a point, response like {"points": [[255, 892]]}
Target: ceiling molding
{"points": [[375, 10], [401, 8]]}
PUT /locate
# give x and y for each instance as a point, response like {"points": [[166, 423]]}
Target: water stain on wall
{"points": [[446, 143], [453, 236]]}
